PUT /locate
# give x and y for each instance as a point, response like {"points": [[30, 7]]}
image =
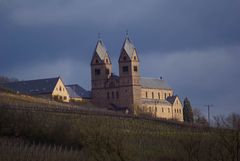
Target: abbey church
{"points": [[128, 90]]}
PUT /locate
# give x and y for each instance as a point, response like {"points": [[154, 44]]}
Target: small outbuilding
{"points": [[52, 88]]}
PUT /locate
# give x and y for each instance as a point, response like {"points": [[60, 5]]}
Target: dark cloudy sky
{"points": [[193, 44]]}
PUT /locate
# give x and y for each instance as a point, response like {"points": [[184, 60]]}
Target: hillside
{"points": [[88, 136]]}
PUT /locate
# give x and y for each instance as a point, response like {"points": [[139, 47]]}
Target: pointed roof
{"points": [[100, 51], [171, 99], [128, 47], [33, 87]]}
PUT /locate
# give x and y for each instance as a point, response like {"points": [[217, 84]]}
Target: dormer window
{"points": [[135, 58]]}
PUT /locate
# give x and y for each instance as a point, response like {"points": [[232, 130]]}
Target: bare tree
{"points": [[199, 118]]}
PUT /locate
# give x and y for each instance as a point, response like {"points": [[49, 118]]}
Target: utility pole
{"points": [[208, 106]]}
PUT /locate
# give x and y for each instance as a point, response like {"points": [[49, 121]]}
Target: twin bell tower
{"points": [[109, 90]]}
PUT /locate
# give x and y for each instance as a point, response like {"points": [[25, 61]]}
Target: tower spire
{"points": [[127, 34]]}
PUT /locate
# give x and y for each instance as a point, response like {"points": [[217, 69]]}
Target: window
{"points": [[112, 95], [165, 95], [135, 58], [168, 110], [150, 109], [175, 111], [158, 95], [96, 61], [97, 71], [146, 95], [162, 109], [107, 71], [106, 60], [65, 97], [125, 69], [124, 58], [60, 88], [60, 97], [180, 111], [135, 68], [117, 95], [152, 95], [108, 95]]}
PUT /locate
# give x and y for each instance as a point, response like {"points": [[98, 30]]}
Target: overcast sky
{"points": [[193, 44]]}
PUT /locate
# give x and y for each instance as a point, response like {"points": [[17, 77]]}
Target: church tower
{"points": [[129, 76], [101, 69]]}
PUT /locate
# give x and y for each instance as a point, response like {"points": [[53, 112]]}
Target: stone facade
{"points": [[129, 90]]}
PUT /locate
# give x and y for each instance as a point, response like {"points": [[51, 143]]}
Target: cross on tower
{"points": [[99, 36]]}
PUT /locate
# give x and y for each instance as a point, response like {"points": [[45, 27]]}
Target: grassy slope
{"points": [[100, 137]]}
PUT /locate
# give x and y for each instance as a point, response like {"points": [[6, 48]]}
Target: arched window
{"points": [[158, 95], [146, 95], [152, 95]]}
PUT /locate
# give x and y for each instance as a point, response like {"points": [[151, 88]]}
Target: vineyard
{"points": [[50, 132]]}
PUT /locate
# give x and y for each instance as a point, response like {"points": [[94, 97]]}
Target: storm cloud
{"points": [[193, 44]]}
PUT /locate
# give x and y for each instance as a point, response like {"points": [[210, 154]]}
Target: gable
{"points": [[60, 88], [124, 57], [177, 102], [96, 59], [129, 51]]}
